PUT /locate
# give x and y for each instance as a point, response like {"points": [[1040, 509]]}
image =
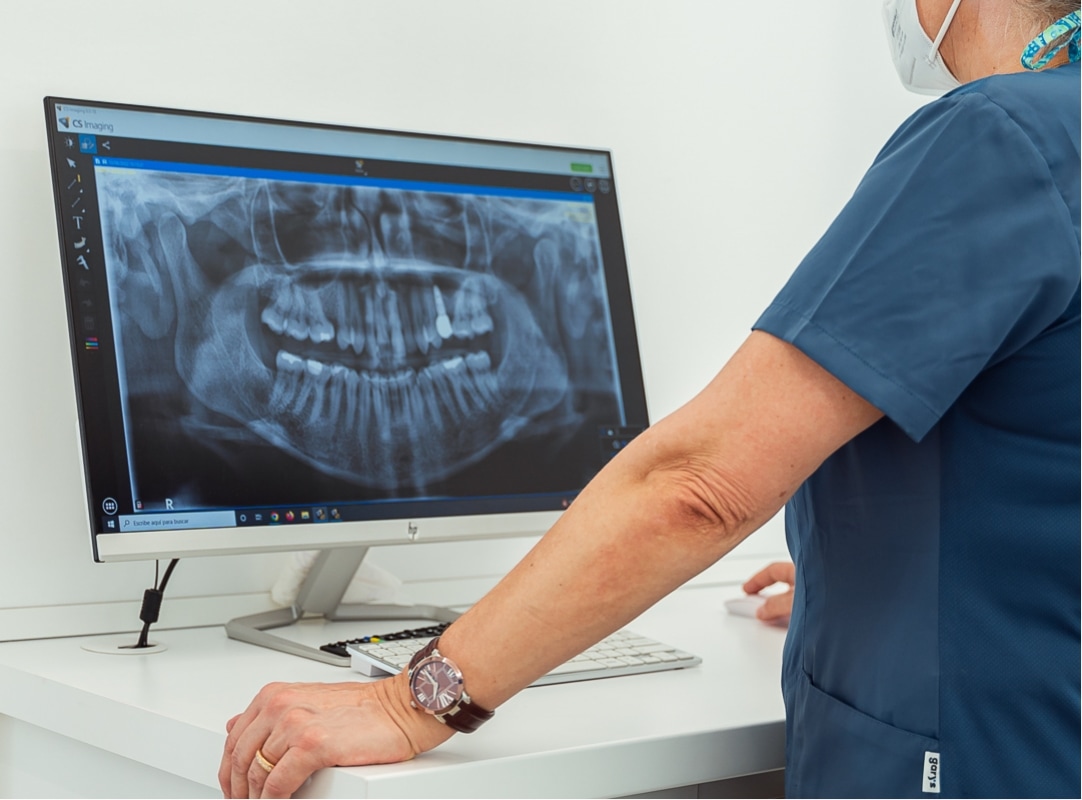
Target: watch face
{"points": [[436, 685]]}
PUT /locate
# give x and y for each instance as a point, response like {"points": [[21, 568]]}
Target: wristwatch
{"points": [[436, 687]]}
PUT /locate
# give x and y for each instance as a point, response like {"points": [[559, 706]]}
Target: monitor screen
{"points": [[291, 336]]}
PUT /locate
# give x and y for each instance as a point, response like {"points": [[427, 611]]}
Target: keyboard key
{"points": [[573, 666]]}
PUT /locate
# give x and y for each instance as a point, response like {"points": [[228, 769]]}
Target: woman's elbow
{"points": [[708, 502]]}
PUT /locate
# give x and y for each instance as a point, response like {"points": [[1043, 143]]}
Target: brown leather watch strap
{"points": [[423, 653], [466, 716]]}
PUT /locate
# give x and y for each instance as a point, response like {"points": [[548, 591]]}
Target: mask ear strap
{"points": [[1064, 32], [943, 30]]}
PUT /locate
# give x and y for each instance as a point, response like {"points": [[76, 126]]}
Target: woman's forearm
{"points": [[621, 546]]}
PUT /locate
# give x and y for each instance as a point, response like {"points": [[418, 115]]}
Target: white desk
{"points": [[76, 723]]}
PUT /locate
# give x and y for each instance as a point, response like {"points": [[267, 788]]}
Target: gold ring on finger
{"points": [[263, 761]]}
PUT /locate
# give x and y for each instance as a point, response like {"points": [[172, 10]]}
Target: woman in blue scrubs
{"points": [[938, 553], [913, 392]]}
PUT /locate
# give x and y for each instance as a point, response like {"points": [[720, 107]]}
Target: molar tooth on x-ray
{"points": [[384, 337]]}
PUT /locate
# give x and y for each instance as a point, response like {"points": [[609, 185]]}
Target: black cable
{"points": [[152, 603]]}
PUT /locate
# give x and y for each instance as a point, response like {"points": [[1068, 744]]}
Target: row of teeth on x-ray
{"points": [[388, 323], [405, 400]]}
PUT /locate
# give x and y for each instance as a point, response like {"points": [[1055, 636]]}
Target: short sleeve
{"points": [[955, 250]]}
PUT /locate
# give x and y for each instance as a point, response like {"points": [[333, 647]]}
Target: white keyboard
{"points": [[622, 653]]}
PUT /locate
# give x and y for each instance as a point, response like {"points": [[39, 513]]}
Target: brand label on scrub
{"points": [[931, 773]]}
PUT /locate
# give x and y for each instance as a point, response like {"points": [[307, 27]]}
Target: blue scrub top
{"points": [[934, 643]]}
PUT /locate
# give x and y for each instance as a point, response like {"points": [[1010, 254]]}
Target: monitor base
{"points": [[321, 595]]}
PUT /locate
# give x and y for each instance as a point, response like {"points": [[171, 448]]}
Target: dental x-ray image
{"points": [[282, 340]]}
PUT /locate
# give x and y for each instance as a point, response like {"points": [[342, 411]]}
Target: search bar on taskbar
{"points": [[177, 520]]}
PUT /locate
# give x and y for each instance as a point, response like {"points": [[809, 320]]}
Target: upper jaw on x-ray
{"points": [[385, 337]]}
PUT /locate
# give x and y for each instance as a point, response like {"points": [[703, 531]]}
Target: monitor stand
{"points": [[321, 594]]}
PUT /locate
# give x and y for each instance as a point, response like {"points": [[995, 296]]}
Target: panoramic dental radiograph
{"points": [[386, 342]]}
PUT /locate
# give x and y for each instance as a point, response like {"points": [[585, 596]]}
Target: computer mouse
{"points": [[745, 606]]}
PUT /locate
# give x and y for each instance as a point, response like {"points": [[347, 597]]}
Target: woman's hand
{"points": [[778, 607], [299, 728]]}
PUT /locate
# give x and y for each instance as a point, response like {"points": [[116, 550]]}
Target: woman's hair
{"points": [[1045, 12]]}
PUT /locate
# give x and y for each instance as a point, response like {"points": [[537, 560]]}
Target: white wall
{"points": [[738, 130]]}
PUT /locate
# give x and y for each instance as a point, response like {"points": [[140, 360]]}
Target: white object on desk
{"points": [[745, 606]]}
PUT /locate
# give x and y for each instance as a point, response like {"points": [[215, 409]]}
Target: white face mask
{"points": [[916, 57]]}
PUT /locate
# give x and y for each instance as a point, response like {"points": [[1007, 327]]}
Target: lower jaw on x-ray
{"points": [[280, 341]]}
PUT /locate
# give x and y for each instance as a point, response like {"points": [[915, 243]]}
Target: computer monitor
{"points": [[297, 336]]}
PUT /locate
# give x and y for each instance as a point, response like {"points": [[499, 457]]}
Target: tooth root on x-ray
{"points": [[335, 387], [431, 313], [405, 323], [344, 332], [382, 336], [319, 327], [394, 323], [419, 319], [480, 367]]}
